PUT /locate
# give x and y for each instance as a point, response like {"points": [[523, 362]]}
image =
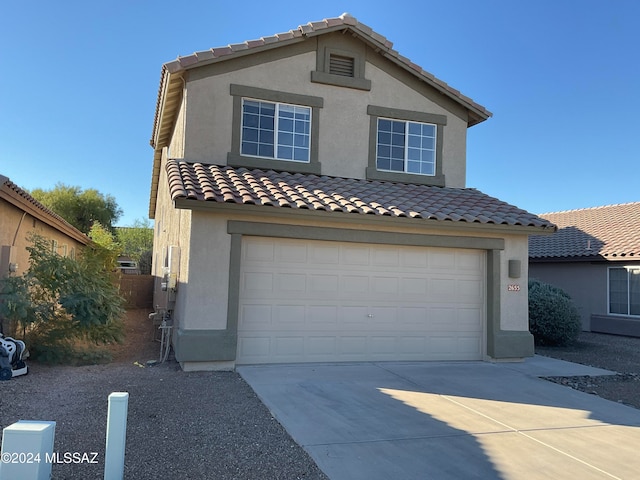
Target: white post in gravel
{"points": [[116, 436]]}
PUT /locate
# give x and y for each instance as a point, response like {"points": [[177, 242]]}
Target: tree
{"points": [[60, 302], [80, 208], [137, 242]]}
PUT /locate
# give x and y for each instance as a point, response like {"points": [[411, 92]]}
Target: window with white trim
{"points": [[408, 147], [275, 130], [624, 291]]}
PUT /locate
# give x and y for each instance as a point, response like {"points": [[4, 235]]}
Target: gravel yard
{"points": [[611, 352], [205, 425], [211, 425]]}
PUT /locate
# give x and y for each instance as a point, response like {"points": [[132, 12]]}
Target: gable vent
{"points": [[343, 66]]}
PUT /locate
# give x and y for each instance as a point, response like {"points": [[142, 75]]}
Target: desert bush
{"points": [[62, 307], [553, 317]]}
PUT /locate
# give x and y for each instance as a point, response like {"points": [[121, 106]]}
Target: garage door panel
{"points": [[319, 316], [414, 288], [254, 349], [289, 348], [352, 255], [258, 282], [290, 282], [321, 347], [290, 252], [326, 254], [352, 347], [259, 252], [383, 286], [289, 316], [357, 302], [354, 286], [322, 283], [255, 317], [442, 260], [385, 257]]}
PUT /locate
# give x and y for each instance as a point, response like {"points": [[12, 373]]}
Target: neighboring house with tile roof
{"points": [[20, 215], [310, 204], [595, 257]]}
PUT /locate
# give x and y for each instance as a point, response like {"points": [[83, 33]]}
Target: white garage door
{"points": [[319, 301]]}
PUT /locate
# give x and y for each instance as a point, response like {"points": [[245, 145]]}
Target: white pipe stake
{"points": [[116, 436]]}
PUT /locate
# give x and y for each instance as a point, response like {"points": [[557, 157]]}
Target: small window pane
{"points": [[301, 154], [265, 150], [384, 138], [250, 134], [634, 291], [268, 109], [384, 164], [301, 141], [285, 125], [285, 139], [266, 136], [413, 154], [397, 140], [415, 129], [249, 148], [285, 153], [397, 165], [397, 152], [428, 169], [413, 167], [398, 127], [384, 125], [251, 107], [415, 141], [287, 111]]}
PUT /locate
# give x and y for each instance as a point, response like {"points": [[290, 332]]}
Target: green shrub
{"points": [[553, 318], [62, 307]]}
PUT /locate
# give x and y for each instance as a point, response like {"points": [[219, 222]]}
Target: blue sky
{"points": [[80, 79]]}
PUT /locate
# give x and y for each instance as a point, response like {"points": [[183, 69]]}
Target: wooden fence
{"points": [[137, 290]]}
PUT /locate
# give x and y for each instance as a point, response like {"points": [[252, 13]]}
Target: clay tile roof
{"points": [[611, 232], [224, 184]]}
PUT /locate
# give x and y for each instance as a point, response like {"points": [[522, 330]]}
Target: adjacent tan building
{"points": [[310, 204], [20, 215]]}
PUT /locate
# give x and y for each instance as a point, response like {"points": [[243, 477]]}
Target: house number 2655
{"points": [[513, 288]]}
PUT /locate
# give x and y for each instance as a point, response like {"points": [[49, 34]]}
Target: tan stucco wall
{"points": [[344, 122], [514, 307], [207, 286], [172, 228], [15, 228]]}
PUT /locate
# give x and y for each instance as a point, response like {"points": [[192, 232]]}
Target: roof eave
{"points": [[22, 203], [194, 204]]}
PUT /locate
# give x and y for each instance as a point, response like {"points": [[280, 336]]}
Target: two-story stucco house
{"points": [[310, 205]]}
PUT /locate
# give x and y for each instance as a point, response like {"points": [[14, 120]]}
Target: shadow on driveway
{"points": [[448, 420]]}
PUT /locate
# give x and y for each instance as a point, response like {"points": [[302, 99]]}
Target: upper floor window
{"points": [[408, 147], [624, 291], [276, 130]]}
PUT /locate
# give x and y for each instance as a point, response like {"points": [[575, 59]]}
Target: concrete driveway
{"points": [[450, 420]]}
